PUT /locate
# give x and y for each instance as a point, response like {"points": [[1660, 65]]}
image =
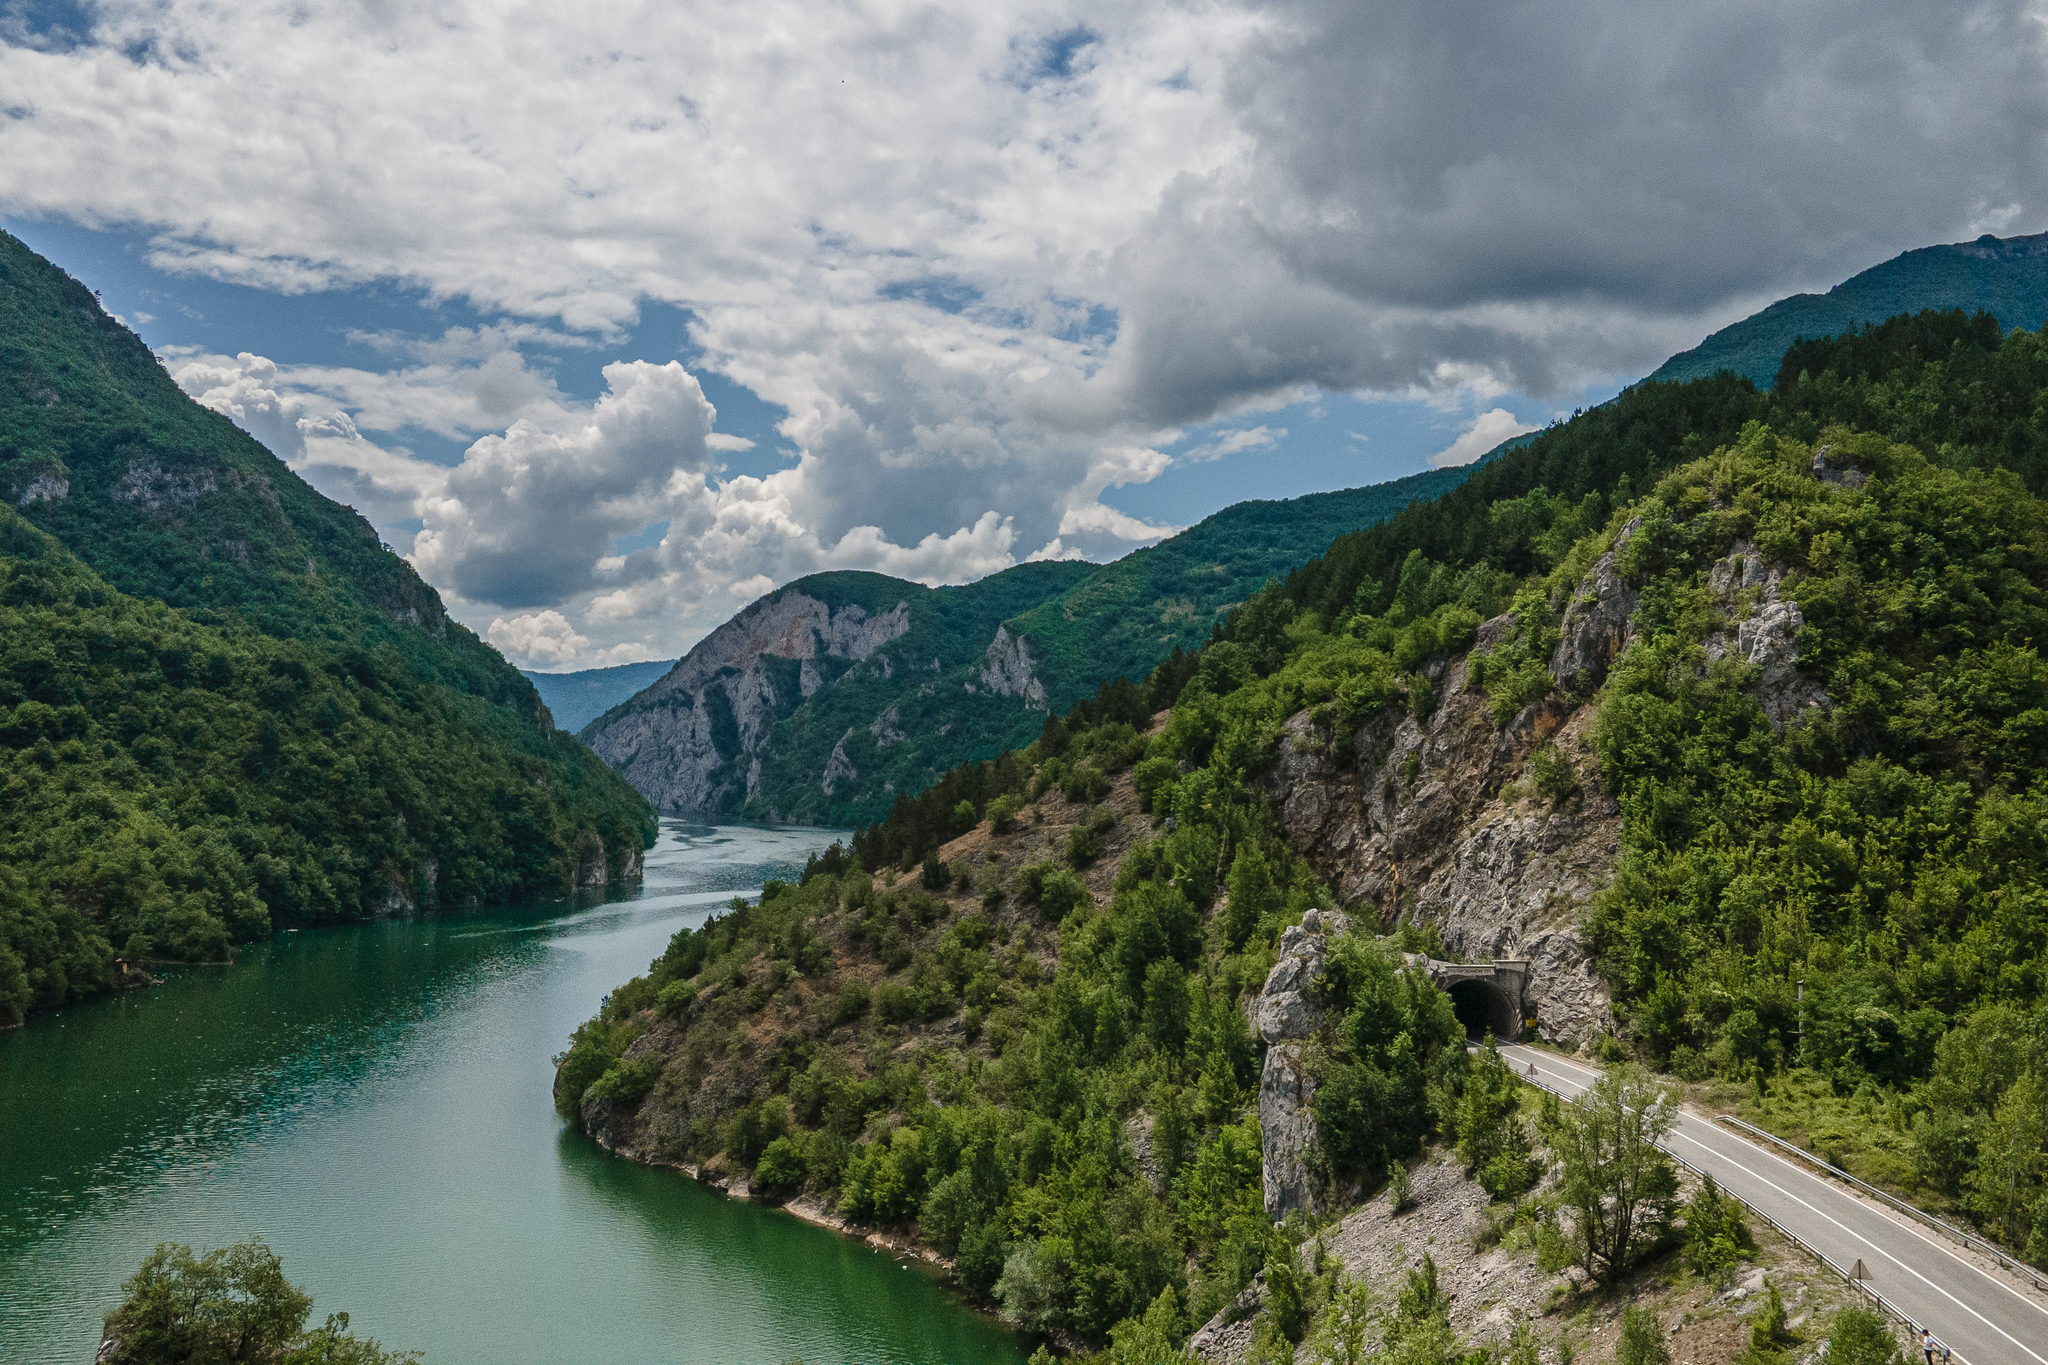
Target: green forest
{"points": [[225, 709], [1887, 849]]}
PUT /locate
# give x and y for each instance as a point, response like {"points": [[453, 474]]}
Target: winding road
{"points": [[1984, 1318]]}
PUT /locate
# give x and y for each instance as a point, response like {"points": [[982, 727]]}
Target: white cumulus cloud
{"points": [[1488, 430]]}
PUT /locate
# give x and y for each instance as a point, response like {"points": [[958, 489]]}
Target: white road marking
{"points": [[1731, 1160]]}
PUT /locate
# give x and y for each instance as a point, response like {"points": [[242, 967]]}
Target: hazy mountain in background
{"points": [[576, 699], [2007, 278]]}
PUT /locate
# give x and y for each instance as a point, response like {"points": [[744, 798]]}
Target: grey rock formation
{"points": [[1465, 844], [1840, 470], [1766, 632], [1009, 672], [1596, 621], [1285, 1014], [699, 732], [46, 488], [1434, 821], [839, 768]]}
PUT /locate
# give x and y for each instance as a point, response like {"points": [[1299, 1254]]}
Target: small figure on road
{"points": [[1931, 1348]]}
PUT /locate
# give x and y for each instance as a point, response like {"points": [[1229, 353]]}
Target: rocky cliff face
{"points": [[820, 703], [700, 732], [1437, 821], [1285, 1014]]}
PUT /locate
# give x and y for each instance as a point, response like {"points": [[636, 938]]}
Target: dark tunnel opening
{"points": [[1484, 1008]]}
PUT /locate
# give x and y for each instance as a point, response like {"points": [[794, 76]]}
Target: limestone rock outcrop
{"points": [[1596, 621], [1009, 672], [693, 737], [1434, 821], [1285, 1013], [1766, 626]]}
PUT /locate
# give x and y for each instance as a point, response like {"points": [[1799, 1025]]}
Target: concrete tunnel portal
{"points": [[1488, 997], [1484, 1008]]}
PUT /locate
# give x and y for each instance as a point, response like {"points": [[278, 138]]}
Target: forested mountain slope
{"points": [[1730, 690], [2007, 278], [224, 706], [847, 689]]}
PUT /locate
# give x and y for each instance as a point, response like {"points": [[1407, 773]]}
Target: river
{"points": [[373, 1100]]}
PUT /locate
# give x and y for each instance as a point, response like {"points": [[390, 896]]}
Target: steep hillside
{"points": [[224, 707], [839, 700], [1731, 713], [2007, 278], [576, 699]]}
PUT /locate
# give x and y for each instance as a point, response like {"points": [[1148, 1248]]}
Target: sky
{"points": [[612, 317]]}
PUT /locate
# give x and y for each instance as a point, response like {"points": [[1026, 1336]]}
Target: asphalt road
{"points": [[1984, 1319]]}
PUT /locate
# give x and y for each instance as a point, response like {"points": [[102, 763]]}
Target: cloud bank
{"points": [[993, 258]]}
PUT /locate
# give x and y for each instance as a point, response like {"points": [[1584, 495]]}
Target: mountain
{"points": [[2007, 278], [1721, 714], [826, 699], [1124, 618], [576, 699], [224, 706], [829, 695]]}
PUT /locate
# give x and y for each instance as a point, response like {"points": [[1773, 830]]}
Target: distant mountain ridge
{"points": [[826, 700], [576, 699], [2005, 277]]}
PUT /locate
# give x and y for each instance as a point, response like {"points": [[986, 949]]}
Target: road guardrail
{"points": [[1864, 1287], [1971, 1240]]}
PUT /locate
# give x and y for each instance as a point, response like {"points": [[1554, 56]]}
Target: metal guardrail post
{"points": [[1970, 1240]]}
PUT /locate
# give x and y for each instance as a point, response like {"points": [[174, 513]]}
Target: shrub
{"points": [[850, 1004], [1002, 812], [935, 875], [1084, 846], [1029, 883], [1857, 1336], [1767, 1330], [1641, 1341], [577, 1070], [979, 1261], [1716, 1233], [1084, 784], [232, 1304], [1287, 1300], [626, 1083], [1553, 773], [894, 1004], [1062, 892], [781, 1167], [1149, 776]]}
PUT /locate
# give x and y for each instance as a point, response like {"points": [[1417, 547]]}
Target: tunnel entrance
{"points": [[1483, 1008]]}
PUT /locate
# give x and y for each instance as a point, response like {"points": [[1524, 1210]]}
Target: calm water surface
{"points": [[373, 1100]]}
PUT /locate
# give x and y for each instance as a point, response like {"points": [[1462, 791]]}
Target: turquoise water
{"points": [[374, 1101]]}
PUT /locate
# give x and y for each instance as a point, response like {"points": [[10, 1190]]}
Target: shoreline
{"points": [[805, 1208]]}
